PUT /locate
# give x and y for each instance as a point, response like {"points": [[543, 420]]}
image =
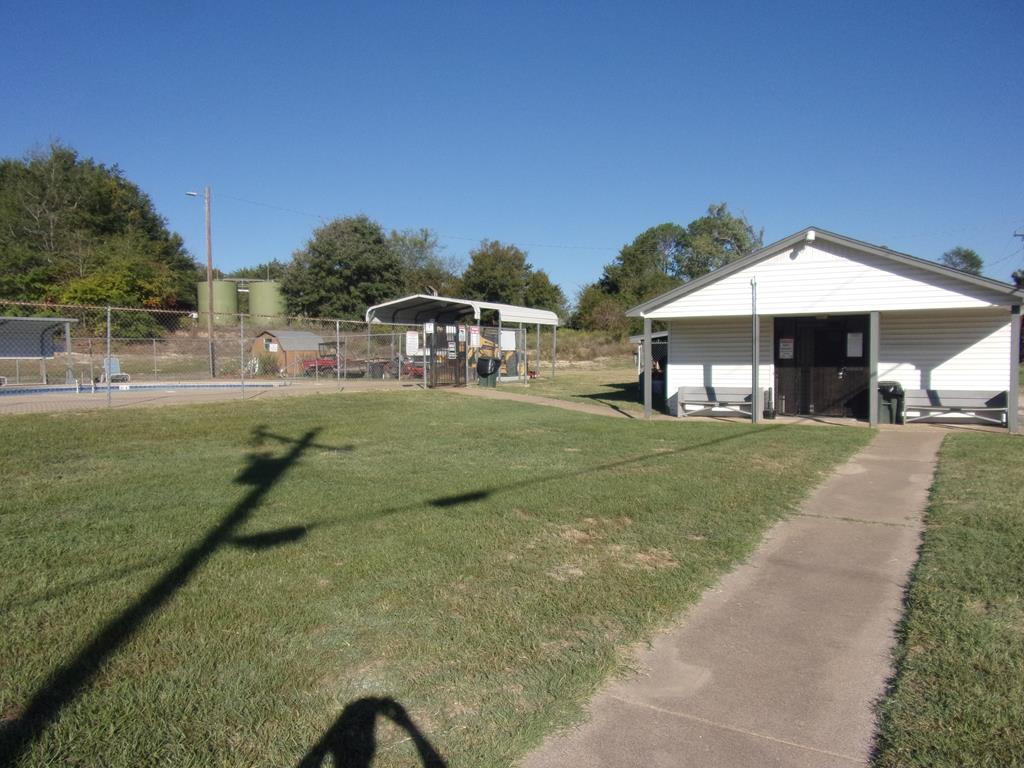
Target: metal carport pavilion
{"points": [[420, 308]]}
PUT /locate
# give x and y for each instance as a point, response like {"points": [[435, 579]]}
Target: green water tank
{"points": [[225, 302], [266, 303]]}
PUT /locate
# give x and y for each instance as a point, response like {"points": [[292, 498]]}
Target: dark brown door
{"points": [[821, 365]]}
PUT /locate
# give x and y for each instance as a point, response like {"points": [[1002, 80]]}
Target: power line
{"points": [[552, 246]]}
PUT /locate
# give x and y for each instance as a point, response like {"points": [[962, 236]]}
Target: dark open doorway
{"points": [[821, 365]]}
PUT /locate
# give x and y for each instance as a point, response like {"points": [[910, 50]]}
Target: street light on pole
{"points": [[209, 275]]}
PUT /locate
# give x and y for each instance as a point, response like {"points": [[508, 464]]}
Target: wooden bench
{"points": [[735, 400], [921, 404]]}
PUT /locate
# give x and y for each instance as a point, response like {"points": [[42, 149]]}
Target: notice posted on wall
{"points": [[412, 342], [785, 348], [474, 336], [508, 340], [428, 327], [855, 345]]}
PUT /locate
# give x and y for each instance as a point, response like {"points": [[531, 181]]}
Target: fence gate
{"points": [[446, 347]]}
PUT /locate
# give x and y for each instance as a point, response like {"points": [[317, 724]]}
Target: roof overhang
{"points": [[30, 337], [810, 234], [656, 336], [420, 308]]}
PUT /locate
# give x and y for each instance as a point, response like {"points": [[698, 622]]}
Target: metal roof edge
{"points": [[543, 316]]}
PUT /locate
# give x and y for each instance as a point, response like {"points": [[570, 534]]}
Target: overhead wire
{"points": [[553, 246]]}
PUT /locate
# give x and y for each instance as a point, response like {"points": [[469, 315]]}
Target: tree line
{"points": [[74, 231]]}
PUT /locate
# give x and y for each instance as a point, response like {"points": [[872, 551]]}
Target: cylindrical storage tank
{"points": [[225, 302], [266, 302]]}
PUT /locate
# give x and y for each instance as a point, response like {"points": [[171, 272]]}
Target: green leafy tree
{"points": [[500, 272], [425, 268], [541, 293], [496, 272], [270, 270], [712, 241], [964, 259], [661, 258], [600, 311], [643, 268], [67, 222], [345, 267]]}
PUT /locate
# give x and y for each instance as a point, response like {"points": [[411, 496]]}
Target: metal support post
{"points": [[337, 352], [755, 356], [1013, 395], [554, 349], [241, 352], [648, 368], [106, 367], [539, 361], [69, 376], [873, 330]]}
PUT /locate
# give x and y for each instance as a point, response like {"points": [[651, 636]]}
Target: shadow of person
{"points": [[352, 740]]}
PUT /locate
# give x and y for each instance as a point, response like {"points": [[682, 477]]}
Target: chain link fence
{"points": [[66, 351], [94, 356]]}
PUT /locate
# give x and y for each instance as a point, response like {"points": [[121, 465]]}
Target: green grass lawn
{"points": [[613, 384], [182, 587], [958, 699]]}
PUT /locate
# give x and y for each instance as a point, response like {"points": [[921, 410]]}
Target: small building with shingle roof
{"points": [[290, 348]]}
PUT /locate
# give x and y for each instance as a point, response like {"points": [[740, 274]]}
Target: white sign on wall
{"points": [[855, 345], [474, 336], [508, 341], [412, 342], [786, 349]]}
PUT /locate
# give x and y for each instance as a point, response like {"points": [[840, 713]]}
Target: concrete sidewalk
{"points": [[781, 663]]}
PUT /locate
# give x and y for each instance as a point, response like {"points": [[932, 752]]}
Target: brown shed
{"points": [[290, 347]]}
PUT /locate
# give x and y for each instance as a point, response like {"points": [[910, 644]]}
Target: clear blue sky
{"points": [[543, 125]]}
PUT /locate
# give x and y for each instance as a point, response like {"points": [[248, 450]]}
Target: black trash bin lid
{"points": [[487, 366]]}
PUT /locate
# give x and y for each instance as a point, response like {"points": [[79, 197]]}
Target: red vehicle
{"points": [[379, 368]]}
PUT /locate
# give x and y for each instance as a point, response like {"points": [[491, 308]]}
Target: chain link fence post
{"points": [[337, 352], [241, 353], [106, 362]]}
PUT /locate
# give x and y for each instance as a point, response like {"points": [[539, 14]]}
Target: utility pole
{"points": [[209, 278], [209, 275]]}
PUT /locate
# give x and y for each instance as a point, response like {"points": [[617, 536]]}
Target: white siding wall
{"points": [[955, 349], [951, 349], [716, 352], [828, 278]]}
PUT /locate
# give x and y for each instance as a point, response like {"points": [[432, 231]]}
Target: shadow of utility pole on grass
{"points": [[74, 677], [352, 740]]}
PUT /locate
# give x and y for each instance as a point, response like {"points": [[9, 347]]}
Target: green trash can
{"points": [[890, 402], [487, 371]]}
